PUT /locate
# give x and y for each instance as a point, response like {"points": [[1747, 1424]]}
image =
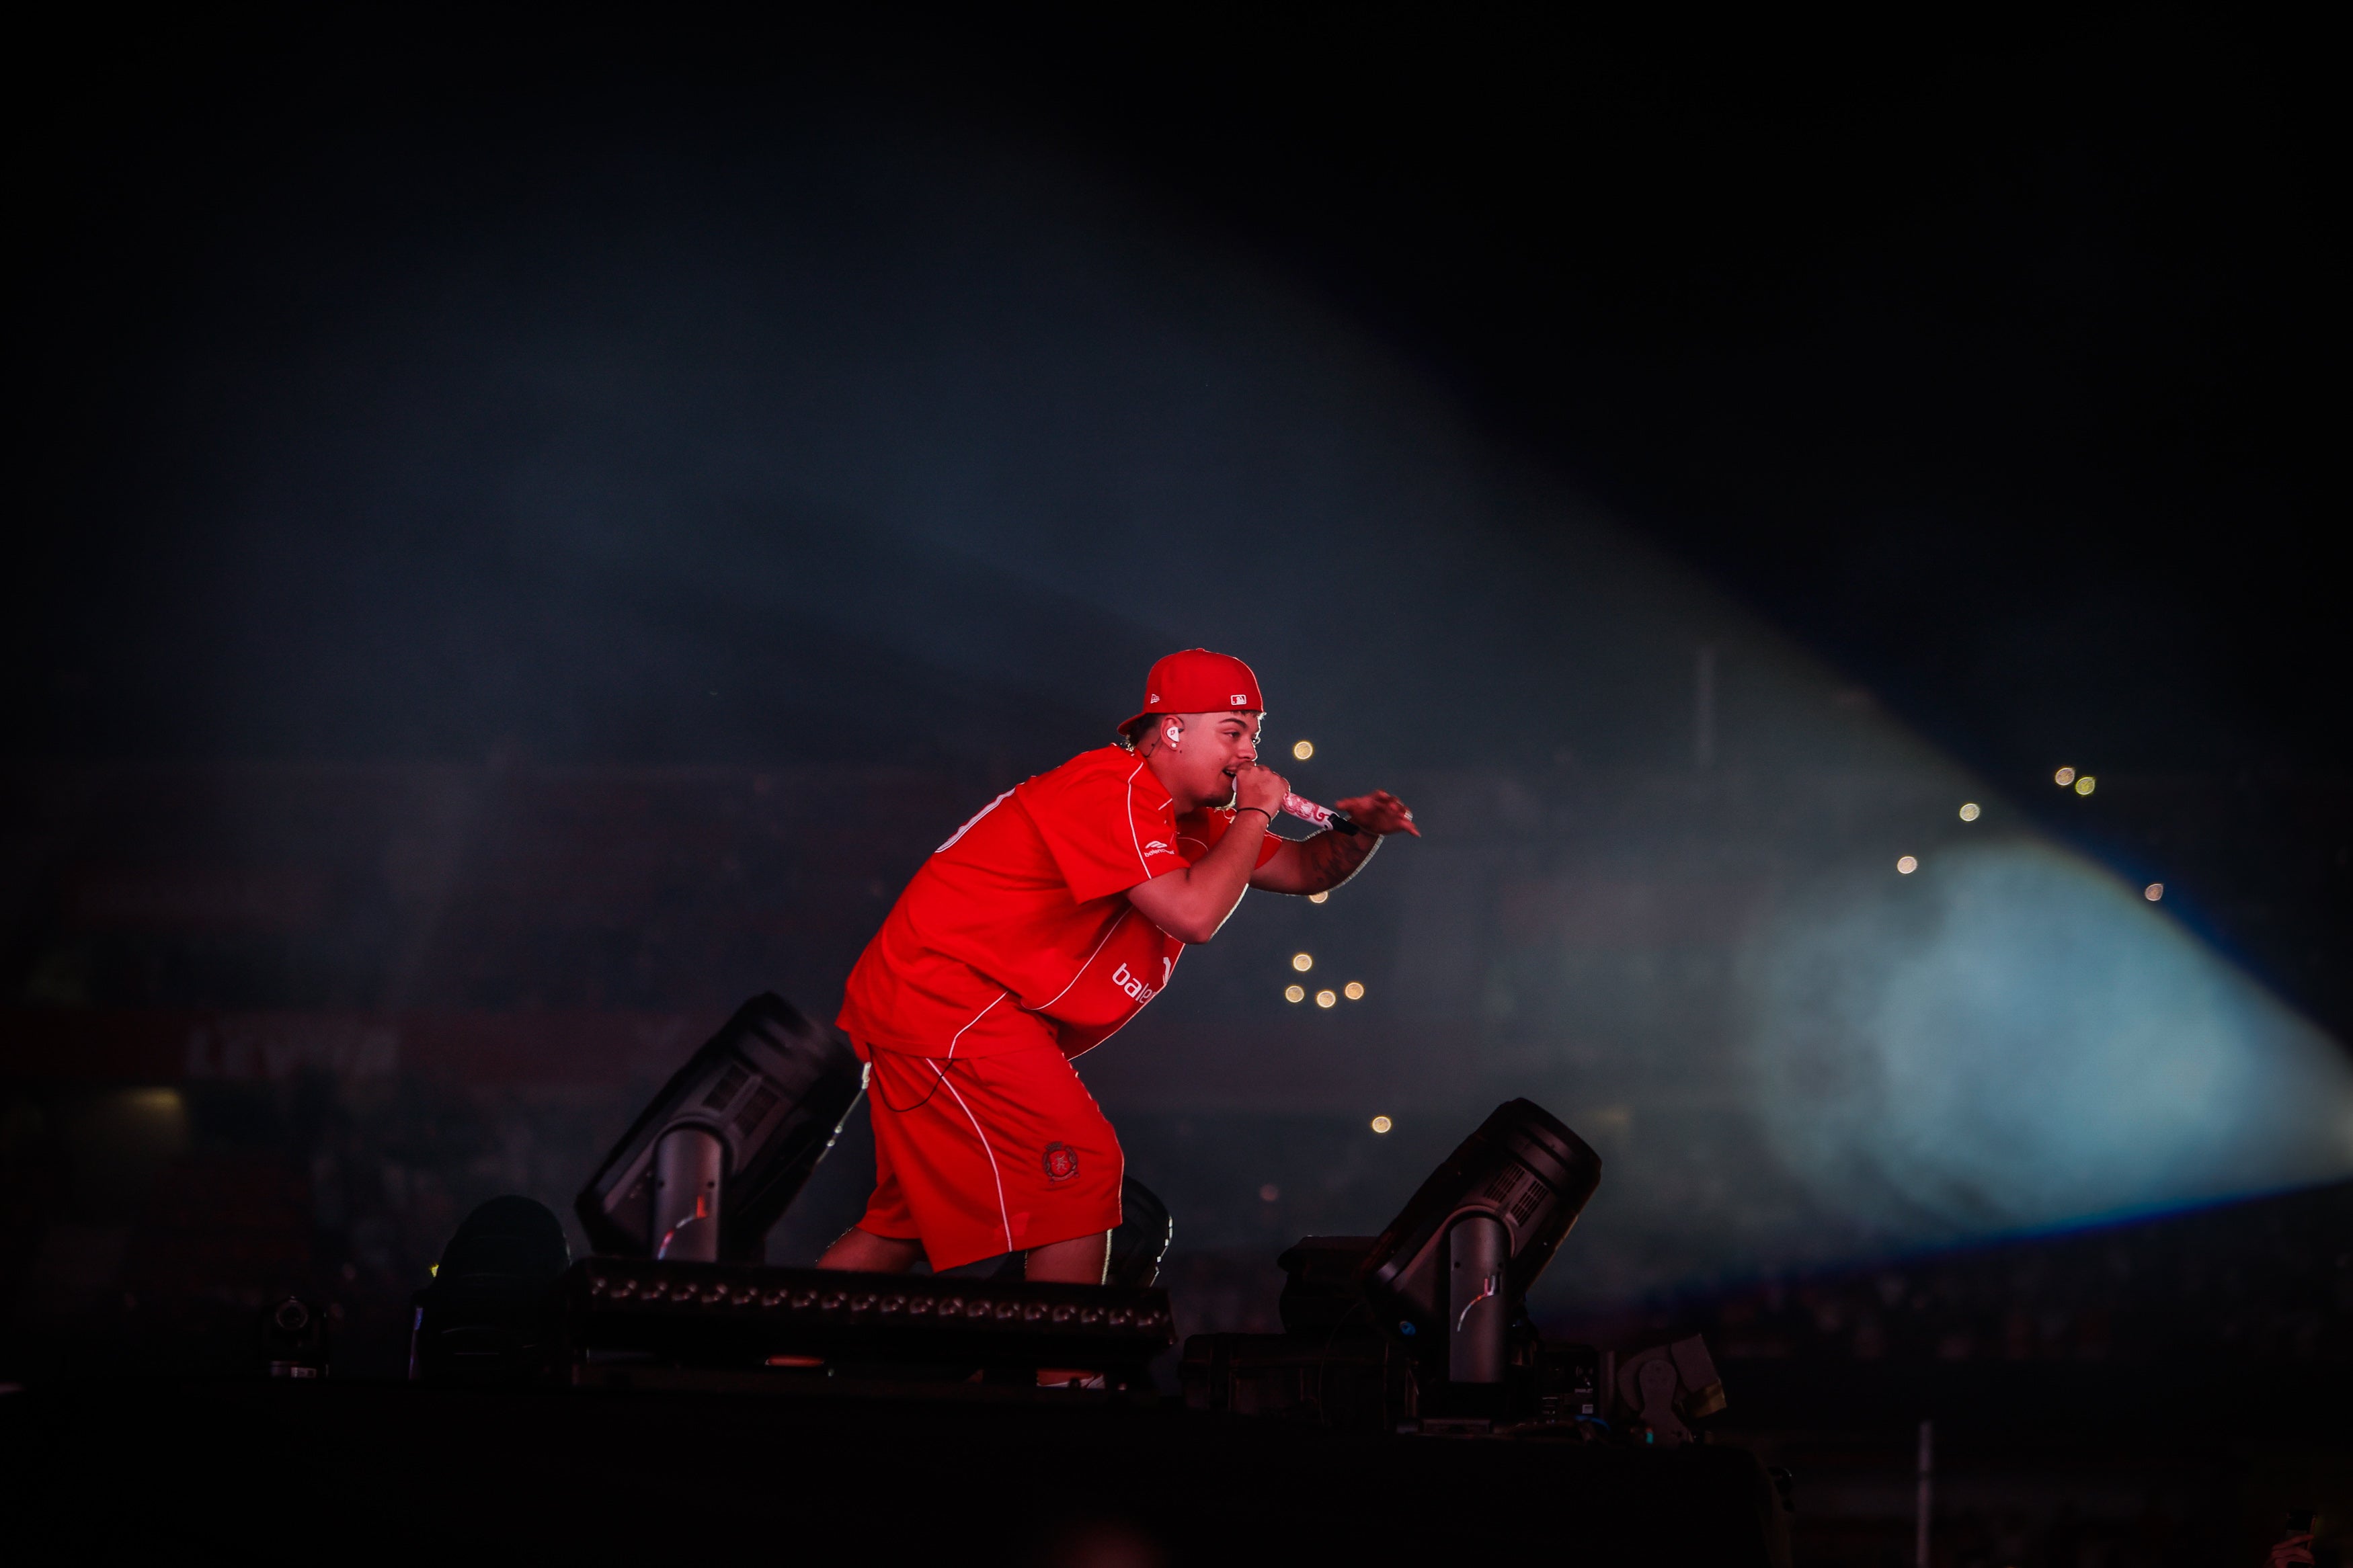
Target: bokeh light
{"points": [[1303, 962], [2085, 785], [2064, 777], [1303, 750], [1326, 998], [1382, 1124], [1318, 897], [2153, 892], [1907, 864], [1353, 991], [1969, 811], [1295, 993]]}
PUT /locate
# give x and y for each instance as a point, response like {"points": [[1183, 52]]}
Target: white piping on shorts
{"points": [[1003, 1216]]}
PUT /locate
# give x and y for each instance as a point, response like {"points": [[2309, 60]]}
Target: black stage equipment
{"points": [[294, 1338], [1320, 1291], [622, 1315], [728, 1143], [1344, 1383], [489, 1314], [1143, 1236], [1452, 1271], [1424, 1326], [1660, 1388], [1331, 1366]]}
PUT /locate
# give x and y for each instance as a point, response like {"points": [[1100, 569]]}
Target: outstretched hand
{"points": [[1380, 813]]}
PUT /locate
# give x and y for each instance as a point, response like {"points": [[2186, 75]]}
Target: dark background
{"points": [[1989, 362]]}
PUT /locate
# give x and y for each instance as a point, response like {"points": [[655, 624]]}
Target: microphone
{"points": [[1307, 811]]}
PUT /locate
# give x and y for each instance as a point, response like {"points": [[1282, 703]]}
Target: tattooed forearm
{"points": [[1333, 857]]}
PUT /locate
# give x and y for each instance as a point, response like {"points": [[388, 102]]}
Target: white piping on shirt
{"points": [[1090, 958], [1131, 838], [976, 815]]}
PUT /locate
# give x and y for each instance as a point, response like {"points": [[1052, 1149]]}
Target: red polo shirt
{"points": [[1018, 930]]}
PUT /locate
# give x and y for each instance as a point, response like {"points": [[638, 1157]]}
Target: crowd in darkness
{"points": [[2270, 1279]]}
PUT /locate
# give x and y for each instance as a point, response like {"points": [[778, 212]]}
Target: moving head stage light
{"points": [[729, 1141], [1424, 1326], [1453, 1269]]}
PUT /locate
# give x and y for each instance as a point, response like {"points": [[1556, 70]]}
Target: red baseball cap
{"points": [[1199, 682]]}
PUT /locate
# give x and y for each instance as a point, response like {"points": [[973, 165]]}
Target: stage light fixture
{"points": [[712, 1163], [1318, 897], [1353, 991], [1326, 998], [1969, 811], [2064, 777], [1303, 962], [1295, 993], [1303, 750], [1452, 1270], [1907, 864], [2153, 892], [1382, 1124], [2085, 785]]}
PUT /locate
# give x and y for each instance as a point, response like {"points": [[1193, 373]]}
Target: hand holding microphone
{"points": [[1378, 814], [1258, 787]]}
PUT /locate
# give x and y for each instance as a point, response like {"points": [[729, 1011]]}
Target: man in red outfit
{"points": [[1032, 935]]}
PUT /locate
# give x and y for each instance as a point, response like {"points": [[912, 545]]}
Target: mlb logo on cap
{"points": [[1199, 682]]}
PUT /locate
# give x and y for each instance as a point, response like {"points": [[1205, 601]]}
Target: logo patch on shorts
{"points": [[1060, 1164]]}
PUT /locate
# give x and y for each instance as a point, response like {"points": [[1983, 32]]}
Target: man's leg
{"points": [[1078, 1261], [886, 1239], [1005, 1153], [867, 1253], [1081, 1260]]}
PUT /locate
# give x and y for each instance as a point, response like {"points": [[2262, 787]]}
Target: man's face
{"points": [[1214, 747]]}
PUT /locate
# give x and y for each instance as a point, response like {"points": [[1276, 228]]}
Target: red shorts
{"points": [[986, 1155]]}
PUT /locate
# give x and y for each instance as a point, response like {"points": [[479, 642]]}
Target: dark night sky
{"points": [[1988, 363], [1992, 363]]}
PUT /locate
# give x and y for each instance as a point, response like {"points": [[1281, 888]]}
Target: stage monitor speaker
{"points": [[488, 1317], [1142, 1239], [729, 1143]]}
